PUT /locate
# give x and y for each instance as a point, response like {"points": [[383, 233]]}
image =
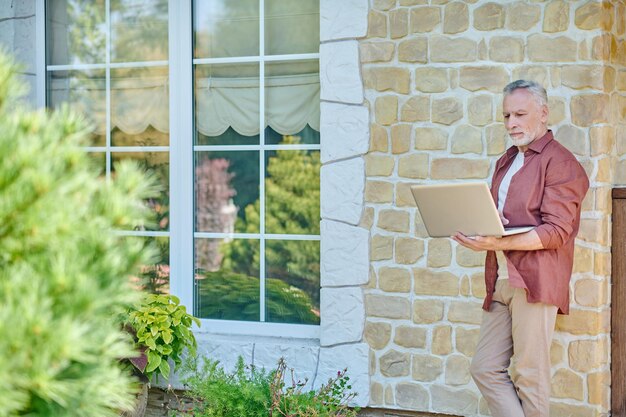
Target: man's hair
{"points": [[532, 87]]}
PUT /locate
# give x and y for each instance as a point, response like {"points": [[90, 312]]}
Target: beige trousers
{"points": [[518, 331]]}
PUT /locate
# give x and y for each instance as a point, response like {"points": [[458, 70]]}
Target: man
{"points": [[537, 182]]}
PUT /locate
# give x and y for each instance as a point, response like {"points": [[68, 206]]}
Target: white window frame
{"points": [[181, 230]]}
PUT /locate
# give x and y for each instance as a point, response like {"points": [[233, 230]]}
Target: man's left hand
{"points": [[478, 243]]}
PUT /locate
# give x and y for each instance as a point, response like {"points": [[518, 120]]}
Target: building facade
{"points": [[409, 93]]}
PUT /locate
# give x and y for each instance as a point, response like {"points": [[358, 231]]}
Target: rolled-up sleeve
{"points": [[565, 187]]}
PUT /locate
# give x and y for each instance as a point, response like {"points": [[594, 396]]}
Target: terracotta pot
{"points": [[141, 402]]}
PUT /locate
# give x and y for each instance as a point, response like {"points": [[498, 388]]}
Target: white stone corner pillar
{"points": [[344, 245]]}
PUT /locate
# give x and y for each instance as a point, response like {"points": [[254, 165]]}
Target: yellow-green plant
{"points": [[163, 330]]}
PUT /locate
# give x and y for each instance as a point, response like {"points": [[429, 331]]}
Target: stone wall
{"points": [[433, 74]]}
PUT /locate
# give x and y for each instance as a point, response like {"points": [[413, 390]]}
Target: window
{"points": [[220, 99]]}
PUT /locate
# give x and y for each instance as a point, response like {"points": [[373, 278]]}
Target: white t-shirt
{"points": [[517, 164]]}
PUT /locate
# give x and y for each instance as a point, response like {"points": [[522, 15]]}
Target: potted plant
{"points": [[162, 331]]}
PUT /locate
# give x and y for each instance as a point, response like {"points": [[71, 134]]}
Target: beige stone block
{"points": [[458, 168], [413, 50], [376, 25], [457, 370], [376, 393], [588, 167], [496, 136], [469, 258], [506, 49], [480, 110], [426, 368], [478, 285], [455, 18], [602, 260], [587, 322], [556, 16], [620, 24], [410, 337], [584, 53], [387, 306], [465, 312], [404, 197], [591, 293], [387, 79], [567, 384], [445, 49], [489, 16], [458, 401], [571, 410], [594, 15], [384, 4], [427, 311], [393, 220], [431, 80], [394, 364], [547, 49], [483, 53], [603, 47], [599, 388], [428, 282], [522, 16], [590, 109], [377, 334], [466, 340], [604, 170], [394, 279], [416, 108], [413, 2], [556, 107], [420, 229], [618, 103], [574, 139], [531, 72], [447, 110], [367, 218], [408, 250], [400, 138], [411, 396], [413, 166], [399, 23], [381, 248], [465, 286], [439, 253], [378, 165], [557, 352], [376, 51], [602, 140], [583, 259], [389, 395], [435, 139], [583, 76], [424, 19], [588, 355], [442, 340], [594, 230], [378, 192], [467, 139], [603, 198], [484, 78], [620, 80], [386, 110], [378, 138]]}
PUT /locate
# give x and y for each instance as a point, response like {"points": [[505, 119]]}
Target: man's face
{"points": [[524, 118]]}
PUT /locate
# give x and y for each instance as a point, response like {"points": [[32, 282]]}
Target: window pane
{"points": [[158, 164], [227, 280], [226, 28], [140, 106], [155, 278], [292, 26], [85, 91], [293, 280], [139, 30], [227, 192], [292, 191], [227, 97], [75, 32]]}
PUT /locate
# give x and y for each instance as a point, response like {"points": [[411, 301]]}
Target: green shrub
{"points": [[163, 331], [64, 273], [250, 392]]}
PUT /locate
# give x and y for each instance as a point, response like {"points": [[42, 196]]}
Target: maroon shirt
{"points": [[547, 192]]}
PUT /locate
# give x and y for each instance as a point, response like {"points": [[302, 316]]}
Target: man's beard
{"points": [[526, 139]]}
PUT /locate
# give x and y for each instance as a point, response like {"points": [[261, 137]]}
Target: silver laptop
{"points": [[460, 207]]}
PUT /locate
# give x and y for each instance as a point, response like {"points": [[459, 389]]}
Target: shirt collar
{"points": [[536, 146]]}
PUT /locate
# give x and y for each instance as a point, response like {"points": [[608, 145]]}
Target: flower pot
{"points": [[141, 401]]}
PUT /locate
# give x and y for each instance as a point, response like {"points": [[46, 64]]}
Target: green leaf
{"points": [[164, 367], [154, 361]]}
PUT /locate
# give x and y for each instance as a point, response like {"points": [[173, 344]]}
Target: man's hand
{"points": [[503, 219], [478, 243]]}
